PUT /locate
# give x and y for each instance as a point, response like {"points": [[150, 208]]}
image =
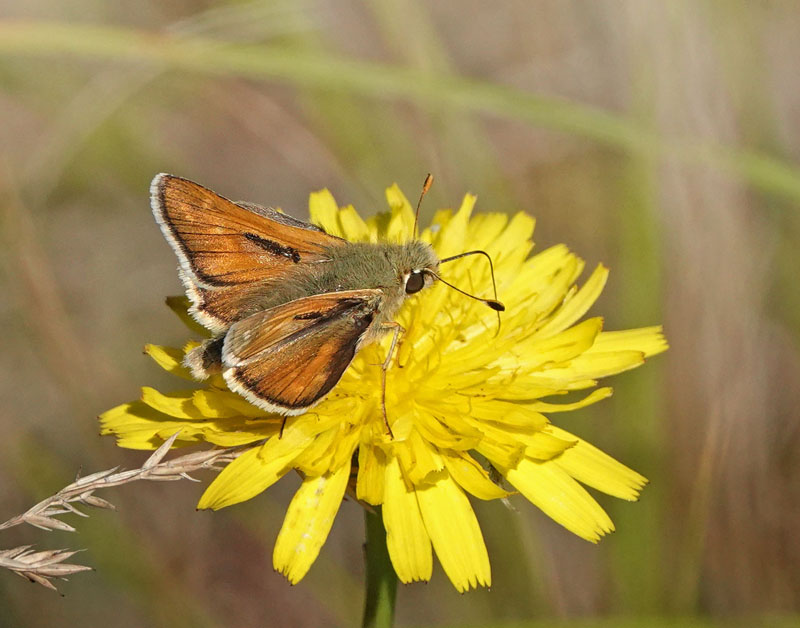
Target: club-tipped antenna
{"points": [[425, 187], [492, 303], [491, 266], [496, 305]]}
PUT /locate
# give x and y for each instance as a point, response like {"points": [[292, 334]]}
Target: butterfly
{"points": [[288, 305]]}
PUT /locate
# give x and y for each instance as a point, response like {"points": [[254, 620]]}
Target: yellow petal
{"points": [[406, 537], [353, 226], [560, 497], [455, 414], [648, 340], [514, 388], [579, 304], [486, 229], [549, 261], [441, 433], [180, 306], [330, 449], [177, 404], [170, 359], [418, 459], [551, 290], [324, 212], [471, 476], [138, 426], [452, 236], [587, 464], [210, 405], [371, 474], [308, 522], [507, 413], [514, 240], [401, 222], [344, 450], [455, 534], [440, 219], [298, 433], [148, 442], [315, 457], [397, 200], [534, 443], [593, 397], [247, 476], [121, 417], [545, 445], [545, 383], [229, 434], [592, 366], [502, 452], [223, 404]]}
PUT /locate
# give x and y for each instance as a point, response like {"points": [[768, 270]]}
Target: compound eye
{"points": [[415, 282]]}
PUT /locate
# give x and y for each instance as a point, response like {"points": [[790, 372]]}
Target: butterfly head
{"points": [[418, 266]]}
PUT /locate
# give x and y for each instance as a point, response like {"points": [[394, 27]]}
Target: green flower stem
{"points": [[381, 580]]}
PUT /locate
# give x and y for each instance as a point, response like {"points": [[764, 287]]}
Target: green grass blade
{"points": [[323, 70]]}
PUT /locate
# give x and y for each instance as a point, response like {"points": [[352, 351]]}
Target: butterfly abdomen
{"points": [[205, 360]]}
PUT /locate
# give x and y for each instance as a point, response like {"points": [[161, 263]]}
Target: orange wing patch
{"points": [[287, 358], [228, 251]]}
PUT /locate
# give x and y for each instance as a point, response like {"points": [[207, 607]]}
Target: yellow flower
{"points": [[464, 399]]}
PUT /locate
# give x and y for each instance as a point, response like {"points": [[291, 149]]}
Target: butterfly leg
{"points": [[397, 329]]}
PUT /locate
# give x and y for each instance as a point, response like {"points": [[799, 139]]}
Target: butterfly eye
{"points": [[415, 282]]}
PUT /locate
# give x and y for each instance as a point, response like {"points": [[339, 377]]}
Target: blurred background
{"points": [[662, 139]]}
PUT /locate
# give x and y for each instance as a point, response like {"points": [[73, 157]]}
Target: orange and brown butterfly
{"points": [[288, 305]]}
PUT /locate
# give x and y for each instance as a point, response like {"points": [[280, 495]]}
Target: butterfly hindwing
{"points": [[288, 357]]}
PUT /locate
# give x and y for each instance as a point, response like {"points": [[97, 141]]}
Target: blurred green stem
{"points": [[381, 579]]}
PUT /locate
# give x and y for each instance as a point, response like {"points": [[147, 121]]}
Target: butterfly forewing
{"points": [[230, 252], [288, 357]]}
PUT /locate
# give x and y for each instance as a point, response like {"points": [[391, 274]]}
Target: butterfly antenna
{"points": [[492, 303], [425, 187]]}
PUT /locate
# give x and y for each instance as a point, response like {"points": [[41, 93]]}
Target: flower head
{"points": [[467, 404]]}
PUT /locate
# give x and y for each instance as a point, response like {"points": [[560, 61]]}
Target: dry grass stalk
{"points": [[42, 566]]}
